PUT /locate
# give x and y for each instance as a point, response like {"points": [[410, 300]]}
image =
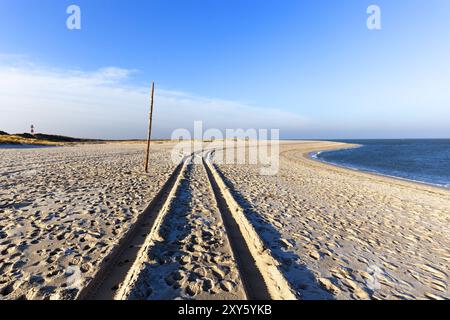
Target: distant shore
{"points": [[337, 233], [313, 156], [28, 140], [360, 235]]}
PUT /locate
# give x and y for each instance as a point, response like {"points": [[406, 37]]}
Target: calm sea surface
{"points": [[425, 161]]}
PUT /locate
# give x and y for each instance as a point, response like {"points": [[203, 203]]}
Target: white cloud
{"points": [[101, 104]]}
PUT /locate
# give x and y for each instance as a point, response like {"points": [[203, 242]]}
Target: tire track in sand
{"points": [[189, 257], [197, 244], [115, 268]]}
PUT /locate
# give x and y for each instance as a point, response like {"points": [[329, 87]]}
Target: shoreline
{"points": [[346, 234], [329, 226], [311, 156]]}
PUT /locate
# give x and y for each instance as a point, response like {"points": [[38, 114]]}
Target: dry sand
{"points": [[63, 209], [337, 233], [192, 257], [343, 234]]}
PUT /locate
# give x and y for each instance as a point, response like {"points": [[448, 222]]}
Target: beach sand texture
{"points": [[192, 257], [63, 209], [335, 233], [346, 234]]}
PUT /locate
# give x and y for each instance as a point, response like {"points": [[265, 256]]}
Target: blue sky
{"points": [[310, 68]]}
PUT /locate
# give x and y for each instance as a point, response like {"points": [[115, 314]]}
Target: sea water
{"points": [[421, 160]]}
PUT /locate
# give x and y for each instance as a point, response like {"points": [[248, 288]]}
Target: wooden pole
{"points": [[150, 128]]}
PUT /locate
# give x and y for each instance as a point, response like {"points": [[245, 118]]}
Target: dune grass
{"points": [[14, 140], [57, 140]]}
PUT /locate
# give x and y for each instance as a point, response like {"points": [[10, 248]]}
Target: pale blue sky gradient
{"points": [[312, 66]]}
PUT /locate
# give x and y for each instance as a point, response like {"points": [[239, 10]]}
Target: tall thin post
{"points": [[150, 128]]}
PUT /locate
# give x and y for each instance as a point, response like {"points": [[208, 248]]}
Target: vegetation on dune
{"points": [[39, 139], [55, 140], [13, 139]]}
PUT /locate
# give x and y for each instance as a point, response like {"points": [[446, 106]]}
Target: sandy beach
{"points": [[63, 209], [332, 233], [192, 257], [344, 234]]}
